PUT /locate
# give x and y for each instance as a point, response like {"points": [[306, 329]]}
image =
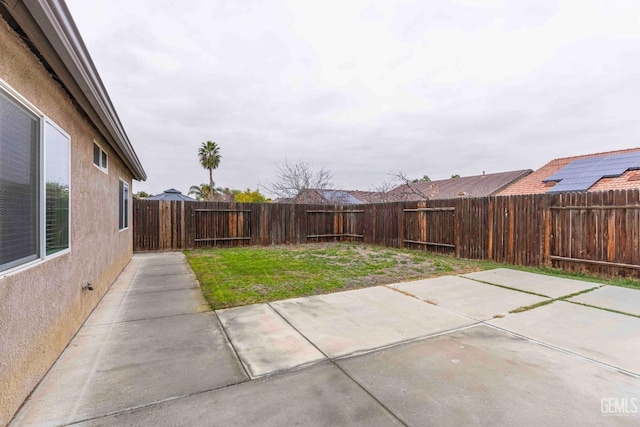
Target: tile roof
{"points": [[369, 196], [469, 186], [171, 195], [340, 197], [534, 183]]}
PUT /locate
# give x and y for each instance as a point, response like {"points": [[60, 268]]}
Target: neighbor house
{"points": [[66, 169], [171, 195], [487, 184], [337, 197], [612, 170]]}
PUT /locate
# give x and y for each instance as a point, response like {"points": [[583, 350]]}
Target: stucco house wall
{"points": [[43, 305]]}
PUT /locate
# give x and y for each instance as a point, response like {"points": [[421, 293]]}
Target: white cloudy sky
{"points": [[365, 87]]}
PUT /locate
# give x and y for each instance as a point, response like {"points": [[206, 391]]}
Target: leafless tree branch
{"points": [[410, 187], [293, 178], [383, 191]]}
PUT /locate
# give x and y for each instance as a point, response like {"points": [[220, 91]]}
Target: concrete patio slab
{"points": [[468, 297], [354, 321], [165, 270], [601, 335], [264, 341], [137, 279], [126, 276], [114, 367], [163, 264], [482, 376], [321, 395], [164, 283], [424, 364], [161, 258], [625, 300], [549, 286], [116, 362], [116, 307]]}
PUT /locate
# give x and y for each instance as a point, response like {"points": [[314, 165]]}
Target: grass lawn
{"points": [[232, 277]]}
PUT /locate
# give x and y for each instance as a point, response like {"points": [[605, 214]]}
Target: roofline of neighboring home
{"points": [[523, 173], [602, 153], [49, 26]]}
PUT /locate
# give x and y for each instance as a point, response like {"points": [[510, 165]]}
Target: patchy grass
{"points": [[231, 277], [532, 306], [246, 275], [624, 282]]}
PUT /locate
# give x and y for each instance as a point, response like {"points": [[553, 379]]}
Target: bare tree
{"points": [[382, 192], [410, 188], [294, 178]]}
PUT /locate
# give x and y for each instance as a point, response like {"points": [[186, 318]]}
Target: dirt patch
{"points": [[403, 265]]}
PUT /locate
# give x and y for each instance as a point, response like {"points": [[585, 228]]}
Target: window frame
{"points": [[41, 250], [43, 196], [104, 153], [123, 208]]}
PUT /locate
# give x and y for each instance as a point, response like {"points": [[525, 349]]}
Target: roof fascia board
{"points": [[49, 26]]}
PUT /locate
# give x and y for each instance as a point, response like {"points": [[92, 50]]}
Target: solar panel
{"points": [[339, 196], [581, 174]]}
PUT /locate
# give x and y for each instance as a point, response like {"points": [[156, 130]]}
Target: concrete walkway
{"points": [[443, 351]]}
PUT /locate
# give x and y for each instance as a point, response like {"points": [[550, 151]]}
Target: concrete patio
{"points": [[444, 351]]}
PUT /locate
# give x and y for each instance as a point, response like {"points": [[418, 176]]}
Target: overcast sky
{"points": [[365, 88]]}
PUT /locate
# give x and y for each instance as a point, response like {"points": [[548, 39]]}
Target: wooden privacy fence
{"points": [[220, 225], [161, 226], [599, 232], [344, 223]]}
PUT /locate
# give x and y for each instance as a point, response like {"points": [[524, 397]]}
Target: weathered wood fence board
{"points": [[598, 232], [431, 226]]}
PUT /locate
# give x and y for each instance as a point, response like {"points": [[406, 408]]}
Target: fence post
{"points": [[457, 226], [490, 227], [401, 234], [545, 207]]}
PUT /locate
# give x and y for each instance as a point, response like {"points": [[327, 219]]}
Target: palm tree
{"points": [[202, 191], [209, 156]]}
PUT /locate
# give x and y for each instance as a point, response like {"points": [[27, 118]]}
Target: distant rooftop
{"points": [[339, 196], [171, 195], [612, 170], [466, 186], [582, 174]]}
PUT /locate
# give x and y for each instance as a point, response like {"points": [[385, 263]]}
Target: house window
{"points": [[100, 159], [123, 216], [34, 183], [19, 184], [57, 189]]}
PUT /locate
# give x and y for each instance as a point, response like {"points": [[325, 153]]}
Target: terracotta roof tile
{"points": [[533, 184]]}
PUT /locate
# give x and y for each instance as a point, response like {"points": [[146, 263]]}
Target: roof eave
{"points": [[51, 29]]}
